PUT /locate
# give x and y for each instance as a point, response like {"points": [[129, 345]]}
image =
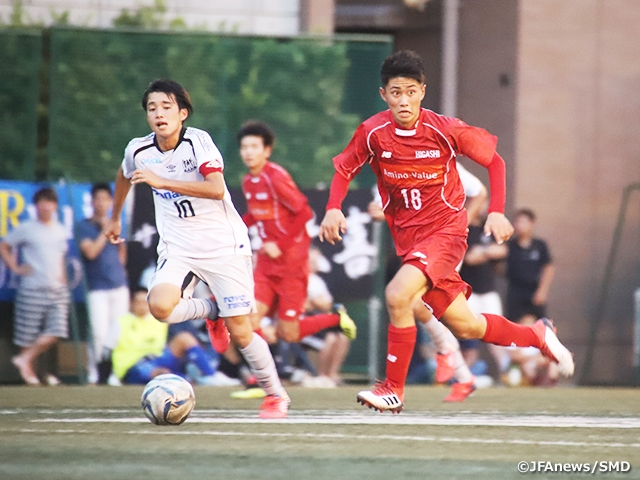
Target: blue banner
{"points": [[16, 206]]}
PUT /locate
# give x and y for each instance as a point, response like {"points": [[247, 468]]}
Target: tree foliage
{"points": [[296, 86]]}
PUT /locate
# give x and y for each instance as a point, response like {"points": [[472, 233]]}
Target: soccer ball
{"points": [[168, 399]]}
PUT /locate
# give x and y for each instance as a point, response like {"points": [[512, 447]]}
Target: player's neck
{"points": [[258, 168], [169, 142]]}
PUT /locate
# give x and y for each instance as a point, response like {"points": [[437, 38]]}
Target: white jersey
{"points": [[189, 226]]}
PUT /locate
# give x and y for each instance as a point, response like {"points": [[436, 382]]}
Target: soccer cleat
{"points": [[460, 391], [218, 334], [347, 325], [275, 406], [552, 348], [444, 367], [383, 397]]}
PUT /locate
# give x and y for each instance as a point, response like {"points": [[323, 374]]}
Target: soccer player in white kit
{"points": [[202, 236]]}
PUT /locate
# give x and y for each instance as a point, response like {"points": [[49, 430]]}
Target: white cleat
{"points": [[382, 398], [552, 348]]}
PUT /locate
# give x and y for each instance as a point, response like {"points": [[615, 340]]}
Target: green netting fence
{"points": [[20, 65], [313, 93]]}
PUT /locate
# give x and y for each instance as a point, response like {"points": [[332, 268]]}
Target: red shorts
{"points": [[437, 257], [285, 295]]}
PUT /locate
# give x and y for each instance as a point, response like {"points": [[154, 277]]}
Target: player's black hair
{"points": [[258, 129], [169, 87], [46, 193], [99, 187], [527, 212], [405, 63]]}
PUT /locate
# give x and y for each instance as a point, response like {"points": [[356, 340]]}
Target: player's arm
{"points": [[497, 224], [212, 187], [334, 222], [114, 228]]}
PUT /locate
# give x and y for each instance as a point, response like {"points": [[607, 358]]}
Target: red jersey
{"points": [[280, 211], [416, 171]]}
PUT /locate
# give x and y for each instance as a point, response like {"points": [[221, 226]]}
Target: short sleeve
{"points": [[128, 163], [16, 236], [354, 156], [545, 253], [473, 142], [208, 157]]}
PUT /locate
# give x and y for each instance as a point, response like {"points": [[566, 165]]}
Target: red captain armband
{"points": [[338, 191], [497, 184], [210, 167]]}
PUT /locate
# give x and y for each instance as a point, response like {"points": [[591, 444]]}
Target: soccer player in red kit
{"points": [[280, 211], [412, 152]]}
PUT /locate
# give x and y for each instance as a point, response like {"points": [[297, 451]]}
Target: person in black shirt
{"points": [[530, 270]]}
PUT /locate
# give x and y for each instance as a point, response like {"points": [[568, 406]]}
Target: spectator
{"points": [[142, 352], [108, 296], [42, 300], [530, 270], [332, 345]]}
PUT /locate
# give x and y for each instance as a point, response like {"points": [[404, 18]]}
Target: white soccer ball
{"points": [[168, 399]]}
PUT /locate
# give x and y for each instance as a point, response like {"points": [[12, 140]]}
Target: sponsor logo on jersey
{"points": [[386, 154], [168, 194], [189, 165], [150, 161], [427, 153], [408, 175], [262, 196], [237, 301], [213, 164], [171, 168]]}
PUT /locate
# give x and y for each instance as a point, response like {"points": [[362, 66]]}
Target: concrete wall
{"points": [[251, 17], [577, 146]]}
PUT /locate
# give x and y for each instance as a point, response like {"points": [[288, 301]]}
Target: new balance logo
{"points": [[386, 155], [392, 358]]}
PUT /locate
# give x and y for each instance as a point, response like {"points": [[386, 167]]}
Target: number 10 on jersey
{"points": [[185, 209]]}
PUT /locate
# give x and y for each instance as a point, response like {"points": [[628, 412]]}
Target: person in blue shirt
{"points": [[108, 296]]}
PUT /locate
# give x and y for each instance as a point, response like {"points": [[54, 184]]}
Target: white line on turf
{"points": [[334, 436], [346, 418]]}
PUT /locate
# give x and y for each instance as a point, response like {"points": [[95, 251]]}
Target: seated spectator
{"points": [[142, 352], [332, 345]]}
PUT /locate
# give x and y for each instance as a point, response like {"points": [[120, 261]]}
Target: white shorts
{"points": [[229, 278], [485, 303]]}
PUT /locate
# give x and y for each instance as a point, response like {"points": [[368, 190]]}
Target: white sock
{"points": [[258, 356], [190, 308], [441, 336], [446, 342]]}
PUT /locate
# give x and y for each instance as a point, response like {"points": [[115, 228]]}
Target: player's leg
{"points": [[400, 294], [498, 330], [231, 282], [170, 292], [450, 362], [292, 326]]}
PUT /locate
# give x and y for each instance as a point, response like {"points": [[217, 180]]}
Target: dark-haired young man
{"points": [[202, 236], [108, 295], [35, 251], [280, 212], [413, 153]]}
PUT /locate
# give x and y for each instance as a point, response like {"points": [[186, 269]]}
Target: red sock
{"points": [[400, 345], [501, 331], [315, 323]]}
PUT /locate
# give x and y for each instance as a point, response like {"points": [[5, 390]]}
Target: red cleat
{"points": [[218, 334], [460, 391], [275, 406], [445, 367]]}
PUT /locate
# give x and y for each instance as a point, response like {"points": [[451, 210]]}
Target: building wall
{"points": [[251, 17], [577, 146]]}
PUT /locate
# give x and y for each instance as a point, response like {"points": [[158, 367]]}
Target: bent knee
{"points": [[161, 310], [397, 299]]}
